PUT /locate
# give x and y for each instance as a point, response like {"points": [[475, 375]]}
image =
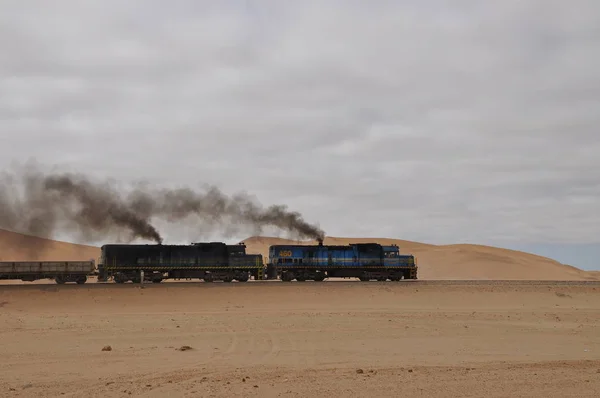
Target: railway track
{"points": [[273, 283]]}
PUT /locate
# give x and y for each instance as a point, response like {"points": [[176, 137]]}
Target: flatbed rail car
{"points": [[366, 261], [60, 271], [208, 261]]}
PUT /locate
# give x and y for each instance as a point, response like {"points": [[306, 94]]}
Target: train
{"points": [[209, 261], [218, 261], [365, 261]]}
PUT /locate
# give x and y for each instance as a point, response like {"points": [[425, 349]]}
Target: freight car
{"points": [[60, 271], [366, 261], [209, 261]]}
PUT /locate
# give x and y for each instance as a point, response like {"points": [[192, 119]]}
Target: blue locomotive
{"points": [[366, 261]]}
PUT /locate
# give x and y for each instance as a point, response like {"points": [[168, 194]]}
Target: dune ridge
{"points": [[20, 247], [455, 261]]}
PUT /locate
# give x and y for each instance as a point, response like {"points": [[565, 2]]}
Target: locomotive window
{"points": [[278, 261]]}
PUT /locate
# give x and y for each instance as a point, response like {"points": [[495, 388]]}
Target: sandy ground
{"points": [[330, 339]]}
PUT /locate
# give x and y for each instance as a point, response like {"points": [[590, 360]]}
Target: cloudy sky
{"points": [[435, 121]]}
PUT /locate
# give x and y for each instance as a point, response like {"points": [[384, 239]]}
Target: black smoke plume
{"points": [[41, 204]]}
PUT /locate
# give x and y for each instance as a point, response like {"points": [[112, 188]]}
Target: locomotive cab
{"points": [[391, 255]]}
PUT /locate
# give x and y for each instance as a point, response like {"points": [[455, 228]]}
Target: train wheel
{"points": [[287, 276], [81, 280], [59, 280]]}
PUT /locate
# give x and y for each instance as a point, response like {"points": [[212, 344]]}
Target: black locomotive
{"points": [[209, 261]]}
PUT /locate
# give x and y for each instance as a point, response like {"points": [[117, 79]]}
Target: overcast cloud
{"points": [[438, 121]]}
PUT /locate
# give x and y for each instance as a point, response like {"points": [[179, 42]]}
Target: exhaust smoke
{"points": [[99, 211]]}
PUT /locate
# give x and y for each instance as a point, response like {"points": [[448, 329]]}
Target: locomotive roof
{"points": [[195, 244], [339, 247]]}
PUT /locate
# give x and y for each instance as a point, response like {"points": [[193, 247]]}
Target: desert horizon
{"points": [[479, 321], [454, 261]]}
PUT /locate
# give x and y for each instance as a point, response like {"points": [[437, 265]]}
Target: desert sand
{"points": [[430, 338], [269, 339], [19, 247]]}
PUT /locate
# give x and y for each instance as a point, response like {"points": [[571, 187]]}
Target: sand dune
{"points": [[436, 262], [460, 261], [19, 247]]}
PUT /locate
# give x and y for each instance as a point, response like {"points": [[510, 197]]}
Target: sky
{"points": [[433, 121]]}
